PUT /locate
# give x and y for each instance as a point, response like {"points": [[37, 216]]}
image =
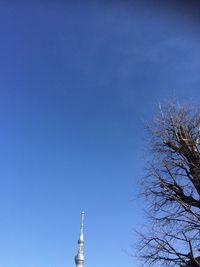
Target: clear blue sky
{"points": [[77, 82]]}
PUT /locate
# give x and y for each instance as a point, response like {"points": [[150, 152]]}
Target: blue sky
{"points": [[78, 81]]}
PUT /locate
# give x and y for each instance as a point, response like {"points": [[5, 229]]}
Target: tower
{"points": [[79, 259]]}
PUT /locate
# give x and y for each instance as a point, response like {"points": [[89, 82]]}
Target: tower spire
{"points": [[82, 221], [79, 259]]}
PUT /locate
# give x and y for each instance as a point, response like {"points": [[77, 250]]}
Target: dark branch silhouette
{"points": [[172, 189]]}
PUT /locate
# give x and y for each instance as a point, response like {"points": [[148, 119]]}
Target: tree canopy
{"points": [[172, 189]]}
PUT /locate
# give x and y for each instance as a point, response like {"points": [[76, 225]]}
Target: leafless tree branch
{"points": [[172, 189]]}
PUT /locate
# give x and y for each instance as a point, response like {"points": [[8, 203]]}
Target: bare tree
{"points": [[172, 189]]}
